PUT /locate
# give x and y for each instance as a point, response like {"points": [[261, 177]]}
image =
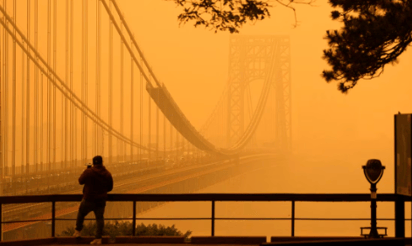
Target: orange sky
{"points": [[192, 62]]}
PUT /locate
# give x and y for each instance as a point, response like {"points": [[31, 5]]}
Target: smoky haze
{"points": [[327, 124], [333, 134], [193, 64]]}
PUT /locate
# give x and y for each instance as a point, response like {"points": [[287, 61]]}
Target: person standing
{"points": [[97, 181]]}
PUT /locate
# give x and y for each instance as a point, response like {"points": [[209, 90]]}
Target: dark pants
{"points": [[85, 208]]}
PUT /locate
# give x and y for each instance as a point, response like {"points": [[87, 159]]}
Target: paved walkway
{"points": [[140, 244]]}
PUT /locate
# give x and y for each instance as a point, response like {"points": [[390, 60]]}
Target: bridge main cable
{"points": [[170, 109], [65, 90]]}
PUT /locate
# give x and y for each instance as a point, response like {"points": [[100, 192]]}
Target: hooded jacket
{"points": [[97, 182]]}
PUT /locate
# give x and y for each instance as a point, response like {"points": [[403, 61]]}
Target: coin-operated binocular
{"points": [[373, 171]]}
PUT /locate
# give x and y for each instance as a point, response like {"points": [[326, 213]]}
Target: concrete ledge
{"points": [[151, 239], [294, 239], [342, 242], [105, 240], [312, 241], [29, 242], [81, 240], [124, 239], [228, 240]]}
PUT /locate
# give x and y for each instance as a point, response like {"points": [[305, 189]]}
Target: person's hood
{"points": [[100, 170]]}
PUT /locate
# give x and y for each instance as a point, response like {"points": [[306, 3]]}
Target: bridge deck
{"points": [[173, 113]]}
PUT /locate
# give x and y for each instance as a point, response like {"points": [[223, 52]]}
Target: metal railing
{"points": [[213, 198]]}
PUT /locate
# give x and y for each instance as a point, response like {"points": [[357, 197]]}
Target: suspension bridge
{"points": [[75, 84]]}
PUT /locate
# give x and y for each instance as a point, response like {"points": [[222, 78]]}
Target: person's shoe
{"points": [[96, 241], [77, 234]]}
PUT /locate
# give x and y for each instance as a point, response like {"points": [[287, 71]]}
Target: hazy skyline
{"points": [[333, 134], [192, 62]]}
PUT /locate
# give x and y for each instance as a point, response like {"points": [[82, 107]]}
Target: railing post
{"points": [[53, 225], [293, 218], [213, 218], [1, 222], [134, 219], [399, 216]]}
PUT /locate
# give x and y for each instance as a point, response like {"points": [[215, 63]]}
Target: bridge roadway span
{"points": [[145, 184]]}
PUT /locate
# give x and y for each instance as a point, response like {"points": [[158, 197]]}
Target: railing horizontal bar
{"points": [[23, 221], [145, 219], [252, 218], [337, 219], [308, 219], [263, 197], [172, 218], [95, 219]]}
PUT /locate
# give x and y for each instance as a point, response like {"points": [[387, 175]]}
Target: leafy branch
{"points": [[374, 34], [229, 15]]}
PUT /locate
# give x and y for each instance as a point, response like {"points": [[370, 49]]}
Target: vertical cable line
{"points": [[61, 86], [28, 100], [49, 94], [13, 123], [134, 41], [23, 105], [114, 23], [66, 75], [1, 115], [171, 137], [6, 99], [73, 131], [141, 117], [149, 126], [86, 74], [250, 129], [36, 93], [177, 147], [54, 104], [272, 113], [77, 103], [98, 43], [171, 133], [164, 139], [94, 125], [110, 83], [131, 107], [83, 80], [121, 152], [41, 122], [63, 140], [157, 133]]}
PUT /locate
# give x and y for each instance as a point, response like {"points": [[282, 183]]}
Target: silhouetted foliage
{"points": [[375, 33], [229, 15], [125, 229]]}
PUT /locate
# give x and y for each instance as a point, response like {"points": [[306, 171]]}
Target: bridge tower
{"points": [[254, 58]]}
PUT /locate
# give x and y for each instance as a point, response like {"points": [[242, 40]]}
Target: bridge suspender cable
{"points": [[159, 94], [62, 87], [206, 145]]}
